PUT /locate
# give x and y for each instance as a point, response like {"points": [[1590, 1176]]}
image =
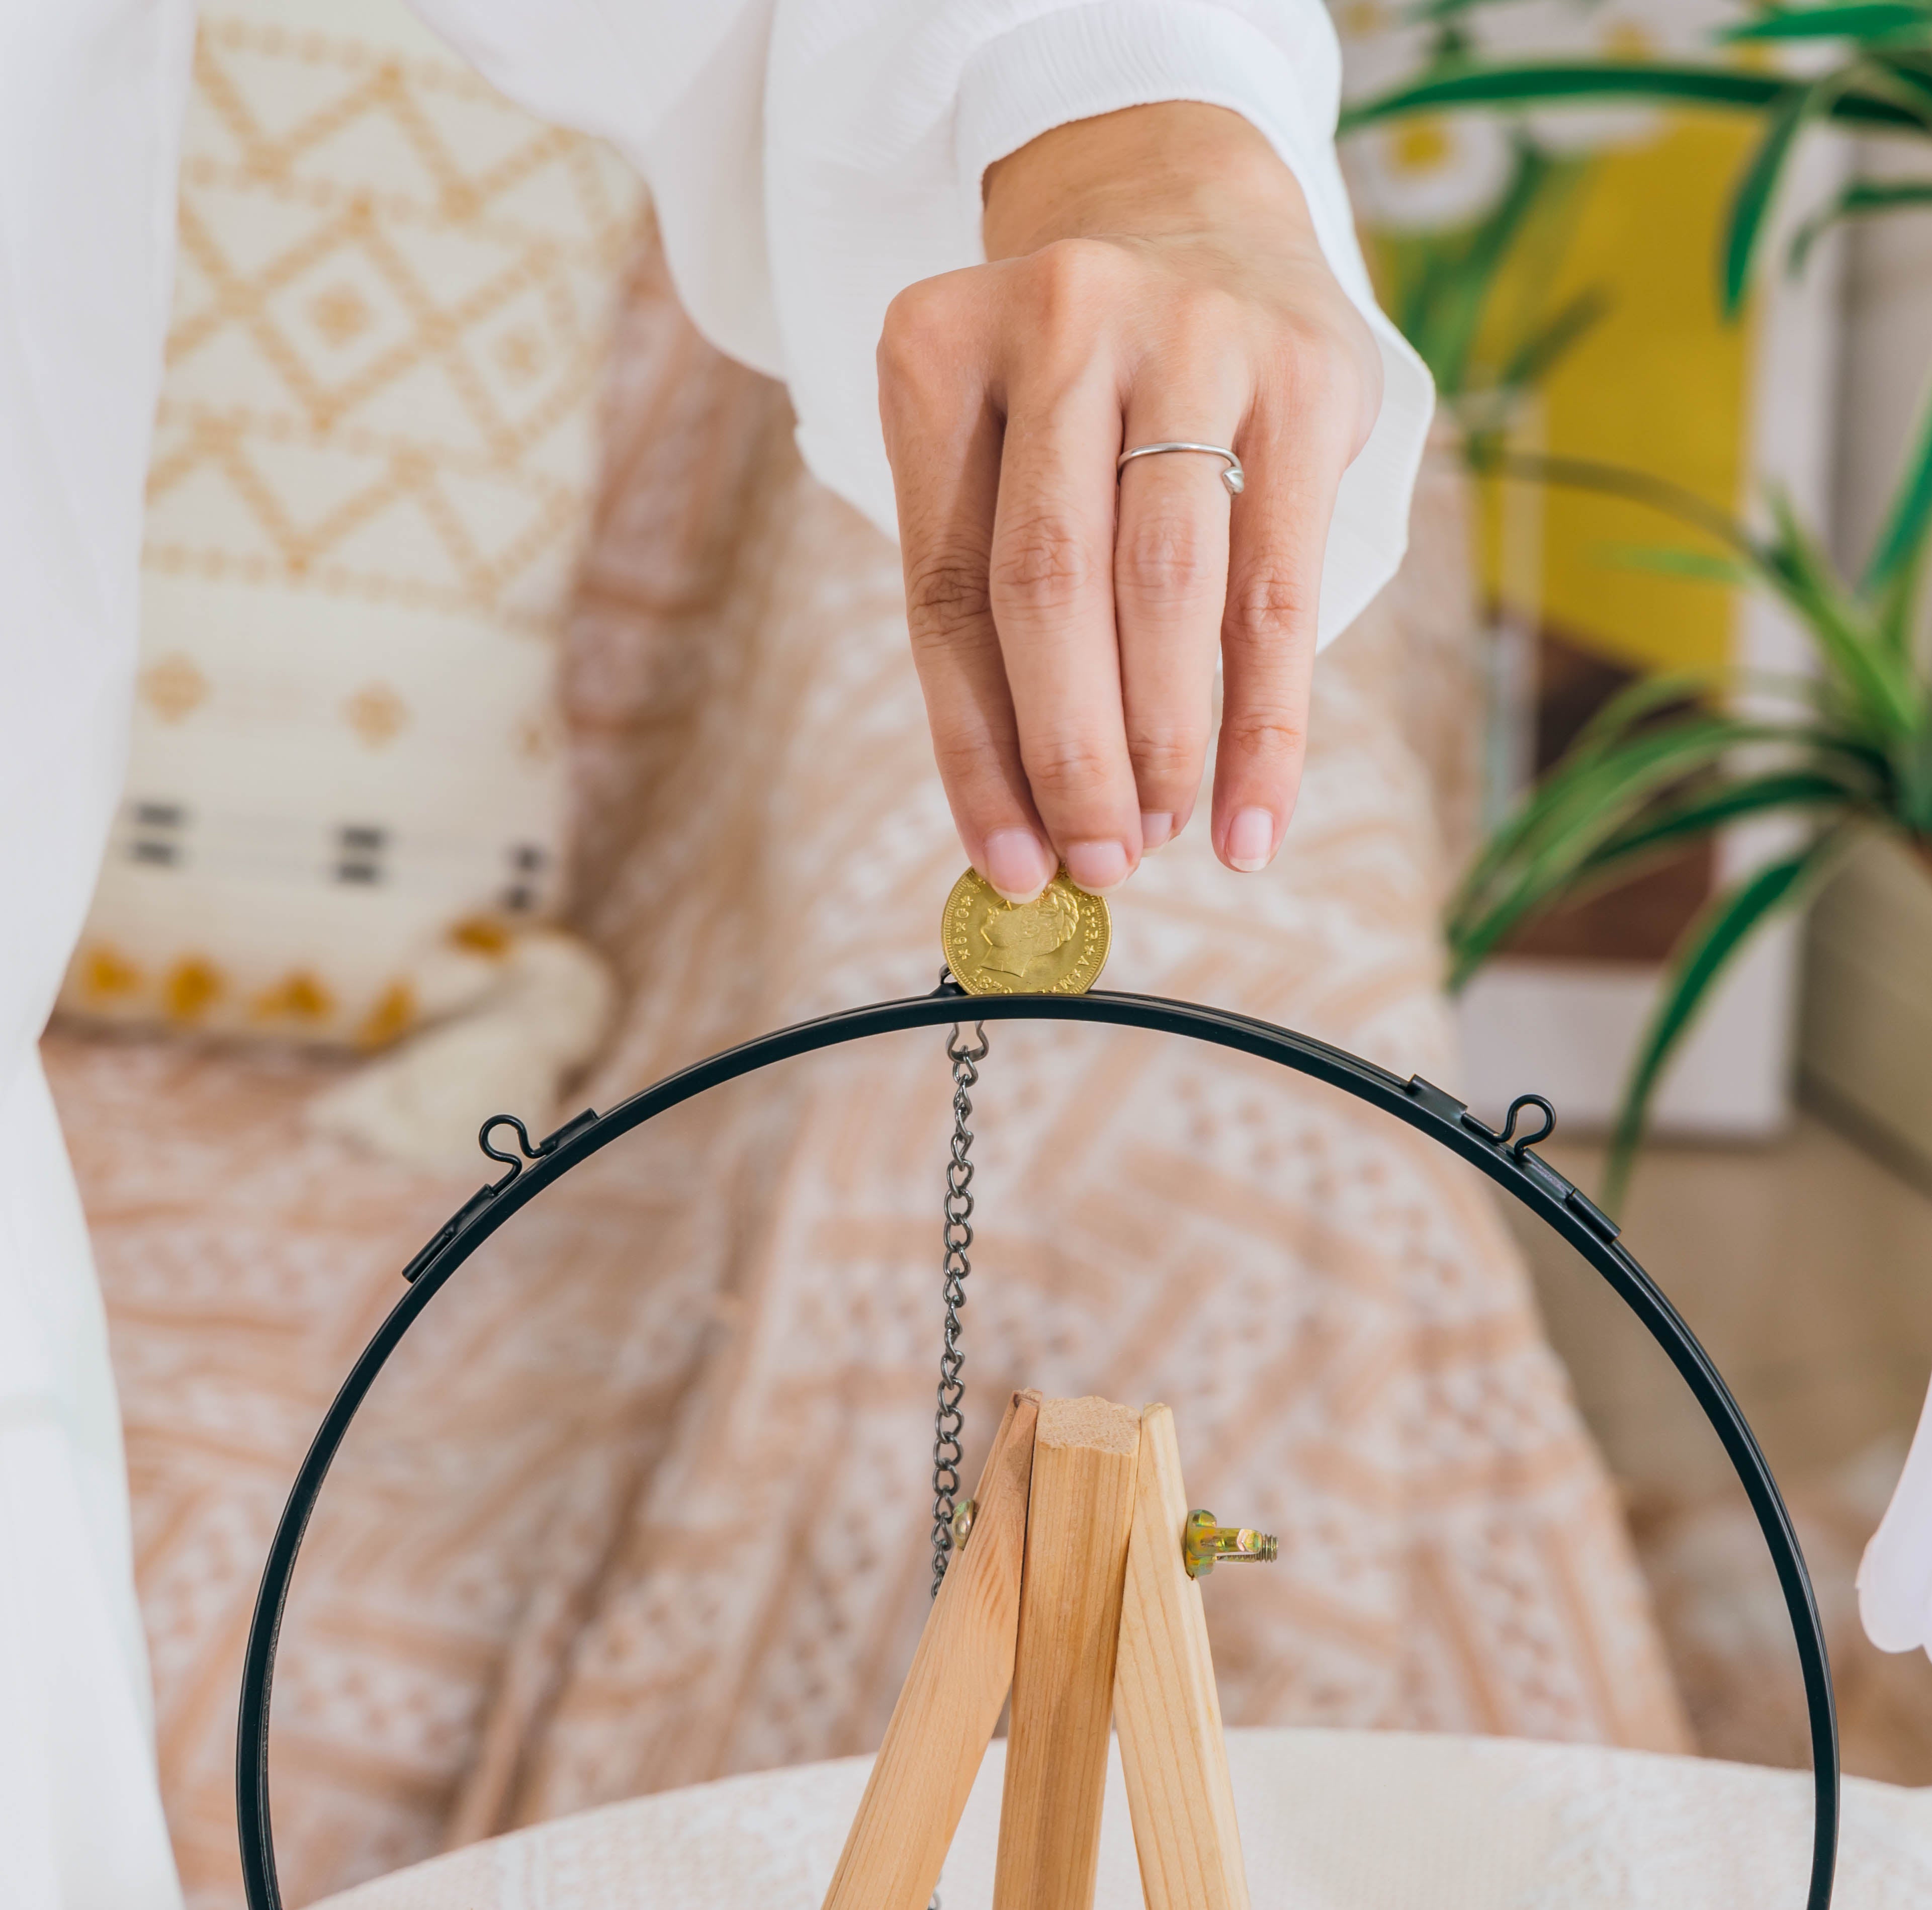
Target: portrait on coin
{"points": [[1018, 936]]}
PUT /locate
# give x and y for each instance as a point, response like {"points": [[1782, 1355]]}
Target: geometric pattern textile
{"points": [[373, 468], [643, 1500]]}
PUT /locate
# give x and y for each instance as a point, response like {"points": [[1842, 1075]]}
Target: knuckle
{"points": [[1205, 321], [946, 598], [1068, 769], [1310, 349], [1166, 760], [1162, 556], [961, 760], [915, 314], [1066, 280], [1325, 376], [1269, 604], [1266, 736], [1041, 563], [919, 336]]}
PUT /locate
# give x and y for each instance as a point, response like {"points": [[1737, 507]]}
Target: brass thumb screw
{"points": [[1203, 1545]]}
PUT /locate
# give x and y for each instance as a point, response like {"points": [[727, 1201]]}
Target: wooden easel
{"points": [[1073, 1593]]}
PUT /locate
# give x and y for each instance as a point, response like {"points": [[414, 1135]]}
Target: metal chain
{"points": [[949, 1421]]}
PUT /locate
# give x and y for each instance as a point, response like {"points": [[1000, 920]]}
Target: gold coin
{"points": [[1055, 945]]}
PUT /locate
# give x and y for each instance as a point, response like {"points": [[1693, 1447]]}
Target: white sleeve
{"points": [[1895, 1581], [811, 158], [91, 98]]}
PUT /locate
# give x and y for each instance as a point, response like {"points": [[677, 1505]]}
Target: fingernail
{"points": [[1156, 827], [1017, 864], [1097, 867], [1251, 840]]}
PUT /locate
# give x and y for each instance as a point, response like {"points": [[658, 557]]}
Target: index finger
{"points": [[943, 436]]}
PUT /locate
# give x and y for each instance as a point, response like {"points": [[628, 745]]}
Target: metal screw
{"points": [[1204, 1544], [962, 1524]]}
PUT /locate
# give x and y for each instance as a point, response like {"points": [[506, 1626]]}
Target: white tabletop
{"points": [[1330, 1821]]}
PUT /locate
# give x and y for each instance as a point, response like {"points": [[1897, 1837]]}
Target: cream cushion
{"points": [[372, 476], [1330, 1820]]}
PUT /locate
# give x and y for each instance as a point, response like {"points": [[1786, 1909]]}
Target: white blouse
{"points": [[811, 158]]}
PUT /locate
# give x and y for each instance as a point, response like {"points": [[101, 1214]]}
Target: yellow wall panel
{"points": [[1661, 385]]}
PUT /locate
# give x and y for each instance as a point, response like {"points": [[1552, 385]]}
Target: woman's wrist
{"points": [[1175, 168]]}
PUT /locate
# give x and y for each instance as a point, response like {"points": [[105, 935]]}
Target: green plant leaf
{"points": [[1457, 296], [1913, 65], [1913, 813], [1554, 83], [1698, 566], [1662, 830], [1532, 360], [1879, 683], [1854, 19], [1606, 806], [1660, 494], [1539, 852], [1894, 74], [1861, 199], [1805, 790], [1635, 703], [1699, 959], [1544, 83], [1893, 569], [1449, 10], [1618, 765], [1915, 785], [1438, 287], [1752, 200]]}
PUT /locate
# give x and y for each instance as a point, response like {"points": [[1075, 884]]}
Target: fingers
{"points": [[1051, 586], [1280, 532], [943, 436], [1066, 623]]}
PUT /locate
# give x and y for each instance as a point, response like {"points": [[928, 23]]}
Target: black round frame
{"points": [[1504, 1157]]}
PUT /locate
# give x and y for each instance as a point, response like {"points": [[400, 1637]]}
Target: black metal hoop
{"points": [[1506, 1160]]}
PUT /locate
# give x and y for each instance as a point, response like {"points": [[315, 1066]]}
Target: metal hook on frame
{"points": [[510, 1160], [532, 1150], [1507, 1139]]}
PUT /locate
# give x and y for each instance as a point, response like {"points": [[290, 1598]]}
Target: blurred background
{"points": [[1570, 266], [488, 615]]}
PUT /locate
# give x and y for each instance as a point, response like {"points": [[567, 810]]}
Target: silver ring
{"points": [[1234, 477]]}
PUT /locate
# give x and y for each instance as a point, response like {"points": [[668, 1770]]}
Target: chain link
{"points": [[949, 1421]]}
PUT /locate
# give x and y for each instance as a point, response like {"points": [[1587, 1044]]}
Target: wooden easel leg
{"points": [[952, 1697], [1074, 1591], [1085, 1454], [1171, 1747]]}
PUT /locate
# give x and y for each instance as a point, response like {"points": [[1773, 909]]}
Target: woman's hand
{"points": [[1154, 276]]}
